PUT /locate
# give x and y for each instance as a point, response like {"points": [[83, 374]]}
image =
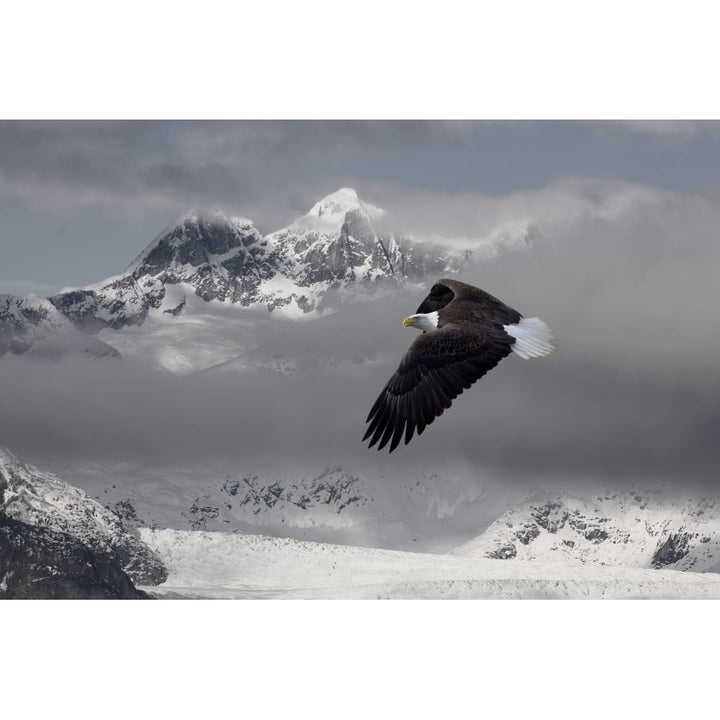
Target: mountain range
{"points": [[209, 264], [636, 528], [57, 541]]}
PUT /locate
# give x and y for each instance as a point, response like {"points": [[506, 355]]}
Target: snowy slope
{"points": [[442, 508], [327, 216], [210, 287], [204, 289], [633, 528], [201, 334], [40, 499], [226, 565], [226, 259], [424, 510], [34, 327]]}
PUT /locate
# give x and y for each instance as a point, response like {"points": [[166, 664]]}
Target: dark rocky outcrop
{"points": [[37, 563], [675, 547], [506, 552], [56, 541]]}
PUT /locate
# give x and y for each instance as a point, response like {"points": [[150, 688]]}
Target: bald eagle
{"points": [[465, 333]]}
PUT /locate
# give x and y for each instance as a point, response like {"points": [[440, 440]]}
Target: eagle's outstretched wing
{"points": [[437, 367]]}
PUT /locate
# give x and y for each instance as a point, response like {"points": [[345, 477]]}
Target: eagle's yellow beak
{"points": [[408, 322]]}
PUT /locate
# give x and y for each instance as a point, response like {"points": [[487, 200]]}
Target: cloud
{"points": [[678, 128], [247, 167], [469, 217], [274, 171], [623, 274]]}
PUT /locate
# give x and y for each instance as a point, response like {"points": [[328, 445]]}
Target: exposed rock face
{"points": [[37, 563], [220, 257], [333, 252], [633, 528], [333, 489], [304, 267], [56, 539], [120, 301], [325, 499], [33, 326], [505, 552], [674, 548]]}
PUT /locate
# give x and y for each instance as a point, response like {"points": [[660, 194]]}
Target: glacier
{"points": [[233, 566]]}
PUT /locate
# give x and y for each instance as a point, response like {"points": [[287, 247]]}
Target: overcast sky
{"points": [[79, 200]]}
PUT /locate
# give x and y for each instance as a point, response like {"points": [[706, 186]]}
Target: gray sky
{"points": [[80, 199]]}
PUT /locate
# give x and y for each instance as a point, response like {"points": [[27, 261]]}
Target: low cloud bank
{"points": [[628, 284]]}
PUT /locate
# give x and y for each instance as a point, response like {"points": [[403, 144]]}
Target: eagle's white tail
{"points": [[533, 338]]}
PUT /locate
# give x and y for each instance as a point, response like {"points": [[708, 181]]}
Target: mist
{"points": [[626, 280]]}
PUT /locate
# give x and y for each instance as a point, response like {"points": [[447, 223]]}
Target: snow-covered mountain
{"points": [[208, 271], [299, 269], [205, 531], [55, 541], [33, 326], [637, 528], [353, 505], [329, 504], [433, 511]]}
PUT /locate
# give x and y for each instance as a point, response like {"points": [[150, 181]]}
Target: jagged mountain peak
{"points": [[335, 251], [331, 212], [194, 239]]}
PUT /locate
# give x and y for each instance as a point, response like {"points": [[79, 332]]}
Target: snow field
{"points": [[237, 566]]}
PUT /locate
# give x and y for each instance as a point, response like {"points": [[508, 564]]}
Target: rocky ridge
{"points": [[33, 326], [209, 262], [639, 528], [55, 541], [303, 268]]}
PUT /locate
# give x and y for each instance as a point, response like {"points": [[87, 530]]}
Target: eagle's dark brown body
{"points": [[470, 340]]}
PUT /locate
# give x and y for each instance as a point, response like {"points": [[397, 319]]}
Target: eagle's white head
{"points": [[422, 321]]}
